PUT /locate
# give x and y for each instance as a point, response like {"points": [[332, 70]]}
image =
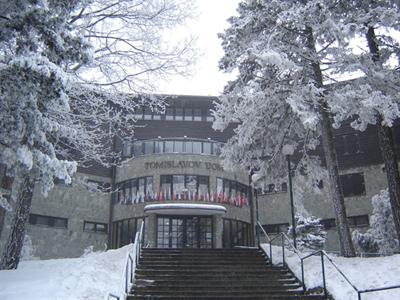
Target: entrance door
{"points": [[184, 232]]}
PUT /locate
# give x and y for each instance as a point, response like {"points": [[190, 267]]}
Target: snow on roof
{"points": [[185, 208]]}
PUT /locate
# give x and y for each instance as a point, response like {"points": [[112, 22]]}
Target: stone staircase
{"points": [[212, 274]]}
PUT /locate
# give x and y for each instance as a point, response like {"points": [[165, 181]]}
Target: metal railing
{"points": [[322, 255], [132, 261]]}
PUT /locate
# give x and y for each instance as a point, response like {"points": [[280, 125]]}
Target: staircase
{"points": [[212, 274]]}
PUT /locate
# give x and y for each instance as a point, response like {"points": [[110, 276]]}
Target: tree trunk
{"points": [[15, 240], [342, 225], [386, 144]]}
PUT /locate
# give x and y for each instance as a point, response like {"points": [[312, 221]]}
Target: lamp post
{"points": [[255, 178], [288, 150]]}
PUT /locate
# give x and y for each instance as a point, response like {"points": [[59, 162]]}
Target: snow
{"points": [[90, 277], [363, 273]]}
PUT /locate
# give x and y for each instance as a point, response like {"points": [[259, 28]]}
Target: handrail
{"points": [[322, 254], [132, 261]]}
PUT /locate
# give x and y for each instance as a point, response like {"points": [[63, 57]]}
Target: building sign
{"points": [[183, 164]]}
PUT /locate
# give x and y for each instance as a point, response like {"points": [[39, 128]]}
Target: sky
{"points": [[206, 79]]}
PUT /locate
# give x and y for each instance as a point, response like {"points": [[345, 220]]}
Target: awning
{"points": [[185, 209]]}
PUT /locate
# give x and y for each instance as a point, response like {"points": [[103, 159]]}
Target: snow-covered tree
{"points": [[375, 97], [278, 98], [381, 237], [52, 114], [310, 233]]}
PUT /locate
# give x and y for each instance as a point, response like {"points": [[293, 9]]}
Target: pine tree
{"points": [[381, 237], [310, 233], [374, 98], [278, 97]]}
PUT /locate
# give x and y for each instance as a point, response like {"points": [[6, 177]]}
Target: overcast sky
{"points": [[206, 79]]}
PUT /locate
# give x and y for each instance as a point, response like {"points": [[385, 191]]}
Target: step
{"points": [[155, 289], [221, 297], [226, 292]]}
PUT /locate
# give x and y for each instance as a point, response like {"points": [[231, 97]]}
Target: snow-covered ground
{"points": [[364, 273], [93, 276], [87, 278]]}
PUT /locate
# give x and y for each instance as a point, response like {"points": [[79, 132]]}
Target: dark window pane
{"points": [[353, 184], [89, 226], [147, 114], [188, 114], [139, 113], [216, 148], [197, 114], [158, 147], [169, 114], [137, 149], [179, 114], [188, 146]]}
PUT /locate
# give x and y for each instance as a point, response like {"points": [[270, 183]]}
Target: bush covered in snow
{"points": [[310, 233], [381, 237]]}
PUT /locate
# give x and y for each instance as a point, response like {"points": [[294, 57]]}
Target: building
{"points": [[171, 176]]}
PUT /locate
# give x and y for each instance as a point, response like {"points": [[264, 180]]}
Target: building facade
{"points": [[171, 176]]}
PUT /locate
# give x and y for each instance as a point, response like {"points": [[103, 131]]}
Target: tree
{"points": [[374, 98], [382, 236], [53, 117], [310, 233], [278, 97]]}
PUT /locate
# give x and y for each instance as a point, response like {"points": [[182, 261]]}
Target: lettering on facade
{"points": [[183, 164]]}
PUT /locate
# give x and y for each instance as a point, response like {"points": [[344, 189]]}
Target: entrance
{"points": [[184, 232]]}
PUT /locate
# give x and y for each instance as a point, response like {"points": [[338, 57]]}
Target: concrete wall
{"points": [[274, 208], [77, 204]]}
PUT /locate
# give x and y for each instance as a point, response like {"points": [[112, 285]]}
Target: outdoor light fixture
{"points": [[288, 150]]}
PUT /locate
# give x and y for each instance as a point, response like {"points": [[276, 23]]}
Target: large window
{"points": [[353, 184], [231, 192], [48, 221], [185, 187], [95, 227], [136, 190], [158, 146], [235, 233], [276, 228], [124, 231], [175, 114]]}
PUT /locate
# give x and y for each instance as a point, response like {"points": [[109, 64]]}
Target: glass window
{"points": [[148, 147], [220, 186], [89, 226], [141, 190], [101, 227], [137, 149], [134, 191], [196, 147], [168, 146], [232, 190], [127, 192], [156, 117], [207, 148], [204, 183], [217, 148], [166, 188], [178, 186], [149, 189], [197, 114], [126, 149], [188, 114], [191, 184], [169, 114], [158, 147], [188, 146], [178, 114], [147, 113], [178, 146], [226, 188], [353, 184]]}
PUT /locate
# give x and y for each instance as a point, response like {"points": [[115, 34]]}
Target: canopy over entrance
{"points": [[185, 209]]}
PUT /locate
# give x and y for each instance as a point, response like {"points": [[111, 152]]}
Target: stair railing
{"points": [[323, 255]]}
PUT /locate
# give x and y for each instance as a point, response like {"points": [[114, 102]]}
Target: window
{"points": [[137, 149], [139, 113], [169, 146], [359, 221], [136, 190], [48, 221], [124, 231], [188, 114], [178, 146], [284, 187], [185, 187], [353, 184], [126, 149], [148, 147], [158, 147], [147, 114], [235, 233], [328, 223], [231, 192], [207, 148], [169, 114], [348, 144], [178, 114], [209, 117], [59, 181], [197, 114], [276, 228], [95, 227], [197, 147]]}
